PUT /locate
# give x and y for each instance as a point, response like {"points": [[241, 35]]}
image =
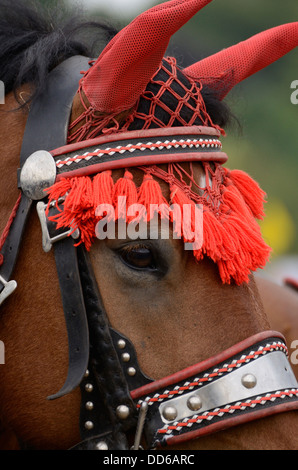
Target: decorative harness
{"points": [[251, 380]]}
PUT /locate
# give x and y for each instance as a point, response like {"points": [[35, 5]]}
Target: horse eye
{"points": [[138, 258]]}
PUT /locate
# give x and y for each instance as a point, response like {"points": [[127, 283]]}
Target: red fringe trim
{"points": [[251, 192], [185, 230], [231, 236], [103, 187], [150, 193], [124, 187]]}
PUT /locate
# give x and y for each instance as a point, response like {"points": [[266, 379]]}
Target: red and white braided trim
{"points": [[120, 149], [208, 377], [219, 412]]}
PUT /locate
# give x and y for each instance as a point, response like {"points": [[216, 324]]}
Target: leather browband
{"points": [[122, 150], [137, 148]]}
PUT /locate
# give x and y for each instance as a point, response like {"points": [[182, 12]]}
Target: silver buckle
{"points": [[48, 241], [8, 289]]}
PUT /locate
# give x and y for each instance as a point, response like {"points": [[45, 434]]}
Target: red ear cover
{"points": [[126, 65], [222, 71]]}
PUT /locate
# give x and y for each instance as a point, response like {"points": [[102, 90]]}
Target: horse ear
{"points": [[222, 71], [121, 73]]}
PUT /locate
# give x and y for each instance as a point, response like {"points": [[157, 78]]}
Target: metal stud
{"points": [[89, 388], [89, 405], [249, 381], [125, 357], [86, 373], [89, 425], [170, 413], [131, 371], [121, 344], [194, 403], [122, 411], [101, 446]]}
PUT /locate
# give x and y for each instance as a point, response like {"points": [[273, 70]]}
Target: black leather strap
{"points": [[48, 120], [74, 314], [106, 377], [12, 243], [46, 129]]}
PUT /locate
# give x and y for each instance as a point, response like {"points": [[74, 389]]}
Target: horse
{"points": [[153, 309]]}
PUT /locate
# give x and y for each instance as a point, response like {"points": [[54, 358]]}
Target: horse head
{"points": [[141, 293]]}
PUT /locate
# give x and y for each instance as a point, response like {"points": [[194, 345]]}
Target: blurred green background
{"points": [[267, 145]]}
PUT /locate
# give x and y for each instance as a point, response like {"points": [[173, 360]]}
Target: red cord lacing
{"points": [[7, 227]]}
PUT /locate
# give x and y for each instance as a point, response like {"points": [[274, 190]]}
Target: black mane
{"points": [[35, 39]]}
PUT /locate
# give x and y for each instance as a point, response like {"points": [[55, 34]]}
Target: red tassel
{"points": [[78, 209], [228, 272], [251, 192], [179, 197], [249, 256], [232, 238], [80, 196], [150, 193], [58, 190], [124, 187], [103, 187], [234, 201], [191, 223], [251, 250], [217, 243]]}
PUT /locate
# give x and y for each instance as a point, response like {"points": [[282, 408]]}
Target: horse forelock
{"points": [[35, 39]]}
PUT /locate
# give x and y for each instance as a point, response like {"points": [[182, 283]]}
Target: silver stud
{"points": [[121, 344], [131, 371], [170, 413], [249, 381], [89, 405], [101, 446], [125, 357], [37, 174], [86, 373], [89, 425], [194, 403], [122, 411], [89, 387]]}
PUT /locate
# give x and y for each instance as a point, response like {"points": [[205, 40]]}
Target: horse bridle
{"points": [[117, 397]]}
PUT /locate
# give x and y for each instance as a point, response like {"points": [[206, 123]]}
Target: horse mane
{"points": [[36, 38]]}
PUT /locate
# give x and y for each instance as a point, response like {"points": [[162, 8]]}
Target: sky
{"points": [[119, 7]]}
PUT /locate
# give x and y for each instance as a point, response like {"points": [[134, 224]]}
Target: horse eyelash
{"points": [[132, 247]]}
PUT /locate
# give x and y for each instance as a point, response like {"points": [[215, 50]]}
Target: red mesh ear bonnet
{"points": [[131, 86], [124, 68], [222, 71], [170, 99]]}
